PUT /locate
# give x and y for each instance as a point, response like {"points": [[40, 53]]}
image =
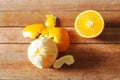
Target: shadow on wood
{"points": [[86, 57], [109, 35], [58, 22]]}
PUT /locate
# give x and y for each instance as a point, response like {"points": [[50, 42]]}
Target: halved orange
{"points": [[89, 24]]}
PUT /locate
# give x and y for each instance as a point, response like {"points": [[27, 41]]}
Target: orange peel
{"points": [[67, 59]]}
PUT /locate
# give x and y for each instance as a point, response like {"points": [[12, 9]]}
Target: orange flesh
{"points": [[89, 24]]}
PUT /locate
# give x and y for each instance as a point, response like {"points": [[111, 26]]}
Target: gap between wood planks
{"points": [[66, 18], [109, 36], [87, 56], [63, 5]]}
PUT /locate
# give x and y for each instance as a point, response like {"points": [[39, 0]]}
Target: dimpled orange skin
{"points": [[60, 36], [34, 30]]}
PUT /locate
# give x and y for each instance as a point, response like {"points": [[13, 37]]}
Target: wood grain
{"points": [[59, 5], [66, 18], [92, 62], [14, 35], [95, 59]]}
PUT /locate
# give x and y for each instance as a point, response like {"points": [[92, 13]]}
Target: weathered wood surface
{"points": [[93, 62], [65, 18], [14, 35], [95, 59], [59, 5]]}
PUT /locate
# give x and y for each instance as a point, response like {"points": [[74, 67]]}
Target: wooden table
{"points": [[95, 59]]}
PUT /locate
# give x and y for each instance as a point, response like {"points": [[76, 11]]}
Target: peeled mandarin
{"points": [[42, 52]]}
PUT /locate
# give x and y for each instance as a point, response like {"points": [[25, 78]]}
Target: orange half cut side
{"points": [[89, 24]]}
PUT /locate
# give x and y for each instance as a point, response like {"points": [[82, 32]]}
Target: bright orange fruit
{"points": [[50, 21], [89, 24], [33, 31], [60, 36]]}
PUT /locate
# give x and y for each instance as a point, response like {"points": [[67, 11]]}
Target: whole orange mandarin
{"points": [[60, 36]]}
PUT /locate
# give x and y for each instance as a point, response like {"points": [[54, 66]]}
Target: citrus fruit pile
{"points": [[48, 41]]}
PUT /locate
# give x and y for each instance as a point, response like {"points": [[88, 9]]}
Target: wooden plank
{"points": [[92, 61], [14, 35], [66, 18], [61, 5], [109, 35]]}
